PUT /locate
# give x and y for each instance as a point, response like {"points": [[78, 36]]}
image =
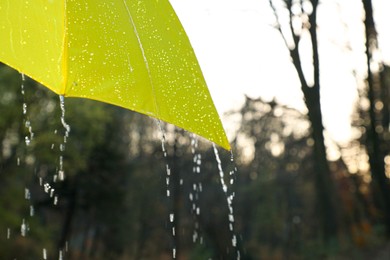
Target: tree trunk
{"points": [[325, 189], [375, 150], [323, 180]]}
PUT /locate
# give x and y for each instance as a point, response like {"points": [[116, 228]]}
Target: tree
{"points": [[277, 182], [378, 129], [307, 18]]}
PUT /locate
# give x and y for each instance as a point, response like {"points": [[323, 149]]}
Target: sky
{"points": [[240, 52]]}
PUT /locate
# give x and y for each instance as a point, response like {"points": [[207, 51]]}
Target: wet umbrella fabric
{"points": [[133, 54]]}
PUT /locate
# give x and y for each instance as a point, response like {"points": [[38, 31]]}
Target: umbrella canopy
{"points": [[133, 54]]}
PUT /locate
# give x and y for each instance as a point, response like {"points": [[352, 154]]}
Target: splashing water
{"points": [[229, 198]]}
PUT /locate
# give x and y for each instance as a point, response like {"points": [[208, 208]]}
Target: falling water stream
{"points": [[61, 173], [229, 196], [28, 138], [168, 189], [60, 176], [196, 189], [193, 195]]}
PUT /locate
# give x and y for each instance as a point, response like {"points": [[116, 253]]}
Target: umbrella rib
{"points": [[64, 61], [144, 56], [11, 31]]}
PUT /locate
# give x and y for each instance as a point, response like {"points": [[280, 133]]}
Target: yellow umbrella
{"points": [[133, 54]]}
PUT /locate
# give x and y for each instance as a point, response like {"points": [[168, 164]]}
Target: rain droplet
{"points": [[55, 201], [46, 187], [27, 140], [23, 228], [44, 253], [27, 194], [174, 253], [234, 241], [61, 175]]}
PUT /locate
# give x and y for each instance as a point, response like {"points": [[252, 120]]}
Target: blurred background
{"points": [[311, 160]]}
